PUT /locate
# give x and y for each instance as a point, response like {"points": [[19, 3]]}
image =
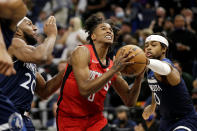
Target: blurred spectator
{"points": [[59, 47], [121, 3], [195, 83], [94, 6], [101, 15], [194, 97], [122, 120], [125, 28], [73, 37], [175, 5], [37, 7], [81, 7], [183, 46], [168, 26], [152, 124], [142, 36], [147, 16], [40, 21], [58, 8], [51, 124], [119, 16], [188, 14], [186, 76], [160, 18], [129, 40]]}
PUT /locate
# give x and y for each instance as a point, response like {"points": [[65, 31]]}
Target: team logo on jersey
{"points": [[154, 85], [93, 61], [15, 122], [31, 67]]}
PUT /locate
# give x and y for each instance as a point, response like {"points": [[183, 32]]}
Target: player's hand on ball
{"points": [[121, 62], [141, 75], [50, 28], [147, 112]]}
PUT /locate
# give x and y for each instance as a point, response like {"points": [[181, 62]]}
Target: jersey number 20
{"points": [[26, 83]]}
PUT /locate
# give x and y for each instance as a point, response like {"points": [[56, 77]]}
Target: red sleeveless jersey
{"points": [[71, 103]]}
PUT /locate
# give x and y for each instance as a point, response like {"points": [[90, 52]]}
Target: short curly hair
{"points": [[93, 21]]}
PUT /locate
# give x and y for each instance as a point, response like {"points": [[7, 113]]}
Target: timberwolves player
{"points": [[11, 12], [168, 88], [20, 88]]}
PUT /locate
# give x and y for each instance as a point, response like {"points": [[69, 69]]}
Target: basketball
{"points": [[139, 59]]}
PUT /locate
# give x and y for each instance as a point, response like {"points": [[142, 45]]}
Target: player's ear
{"points": [[93, 36], [18, 32], [164, 50]]}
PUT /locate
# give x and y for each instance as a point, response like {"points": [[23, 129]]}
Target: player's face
{"points": [[103, 33], [153, 49], [29, 29]]}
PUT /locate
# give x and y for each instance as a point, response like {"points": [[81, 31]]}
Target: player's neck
{"points": [[20, 37], [162, 57], [101, 50]]}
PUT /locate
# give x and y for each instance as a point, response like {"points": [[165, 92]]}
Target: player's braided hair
{"points": [[93, 21]]}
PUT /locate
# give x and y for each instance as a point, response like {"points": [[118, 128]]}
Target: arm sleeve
{"points": [[159, 67]]}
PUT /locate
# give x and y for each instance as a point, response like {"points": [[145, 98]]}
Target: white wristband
{"points": [[159, 67]]}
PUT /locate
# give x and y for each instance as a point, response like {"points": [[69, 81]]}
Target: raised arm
{"points": [[128, 95], [164, 69], [38, 55], [45, 89], [82, 72]]}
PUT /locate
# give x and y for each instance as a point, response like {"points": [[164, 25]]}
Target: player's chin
{"points": [[109, 42]]}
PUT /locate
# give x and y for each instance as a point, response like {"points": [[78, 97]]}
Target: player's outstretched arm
{"points": [[150, 109], [129, 96], [6, 64], [164, 69], [14, 10], [45, 89], [82, 72], [40, 54]]}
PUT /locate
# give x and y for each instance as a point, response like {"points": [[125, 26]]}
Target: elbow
{"points": [[40, 59], [84, 92]]}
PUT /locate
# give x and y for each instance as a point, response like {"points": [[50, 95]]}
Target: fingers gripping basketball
{"points": [[139, 60]]}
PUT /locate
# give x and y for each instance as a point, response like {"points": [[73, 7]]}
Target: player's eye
{"points": [[146, 45]]}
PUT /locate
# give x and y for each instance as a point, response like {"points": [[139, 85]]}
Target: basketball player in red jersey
{"points": [[87, 79]]}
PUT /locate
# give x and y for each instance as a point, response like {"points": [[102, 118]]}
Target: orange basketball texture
{"points": [[139, 59]]}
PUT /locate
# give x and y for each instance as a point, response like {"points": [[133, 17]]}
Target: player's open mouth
{"points": [[108, 37], [148, 54]]}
